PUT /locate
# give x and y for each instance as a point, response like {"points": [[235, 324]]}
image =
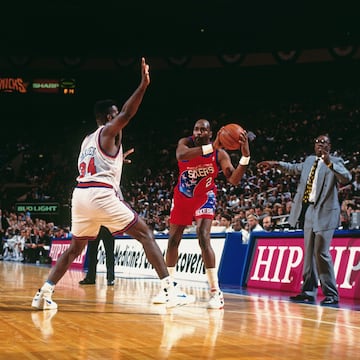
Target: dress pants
{"points": [[109, 243], [318, 264]]}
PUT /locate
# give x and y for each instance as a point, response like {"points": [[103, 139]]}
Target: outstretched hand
{"points": [[126, 154], [145, 76], [266, 165]]}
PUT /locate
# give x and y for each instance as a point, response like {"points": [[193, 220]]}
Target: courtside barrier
{"points": [[130, 259], [271, 260], [58, 246], [275, 261]]}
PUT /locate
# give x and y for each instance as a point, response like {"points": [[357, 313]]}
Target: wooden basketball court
{"points": [[101, 322]]}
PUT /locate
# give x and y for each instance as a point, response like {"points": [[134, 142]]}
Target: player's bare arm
{"points": [[113, 128], [234, 175], [185, 151]]}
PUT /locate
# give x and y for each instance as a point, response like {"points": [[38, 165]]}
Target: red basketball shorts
{"points": [[184, 210]]}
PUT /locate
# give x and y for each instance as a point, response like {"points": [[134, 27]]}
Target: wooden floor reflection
{"points": [[100, 322]]}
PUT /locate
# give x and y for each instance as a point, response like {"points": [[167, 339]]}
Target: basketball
{"points": [[229, 136]]}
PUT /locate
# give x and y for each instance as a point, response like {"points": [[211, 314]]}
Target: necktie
{"points": [[310, 181]]}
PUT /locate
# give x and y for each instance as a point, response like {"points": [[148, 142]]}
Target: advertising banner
{"points": [[59, 246], [130, 258], [277, 264]]}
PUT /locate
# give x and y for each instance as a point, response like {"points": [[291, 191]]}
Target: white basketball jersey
{"points": [[95, 165]]}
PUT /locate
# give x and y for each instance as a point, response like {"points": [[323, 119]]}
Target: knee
{"points": [[204, 245], [203, 236], [76, 249], [144, 235], [173, 242], [203, 229]]}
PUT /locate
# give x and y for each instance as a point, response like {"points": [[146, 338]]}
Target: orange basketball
{"points": [[229, 136]]}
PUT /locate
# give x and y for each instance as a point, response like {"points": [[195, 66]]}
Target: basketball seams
{"points": [[227, 138], [231, 135]]}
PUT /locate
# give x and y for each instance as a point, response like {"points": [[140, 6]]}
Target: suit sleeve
{"points": [[342, 174]]}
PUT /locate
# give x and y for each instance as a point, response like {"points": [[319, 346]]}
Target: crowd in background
{"points": [[26, 238], [285, 132]]}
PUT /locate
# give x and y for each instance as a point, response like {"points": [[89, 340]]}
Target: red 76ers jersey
{"points": [[197, 176]]}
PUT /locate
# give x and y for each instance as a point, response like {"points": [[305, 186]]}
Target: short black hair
{"points": [[102, 108], [226, 216]]}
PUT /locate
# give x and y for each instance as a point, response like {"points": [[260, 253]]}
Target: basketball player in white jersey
{"points": [[97, 198]]}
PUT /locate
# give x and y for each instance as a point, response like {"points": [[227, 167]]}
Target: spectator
{"points": [[226, 220], [238, 225], [351, 213], [267, 223], [253, 222], [37, 246], [356, 184], [14, 245], [43, 247]]}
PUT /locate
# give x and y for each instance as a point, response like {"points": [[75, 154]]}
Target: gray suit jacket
{"points": [[326, 205]]}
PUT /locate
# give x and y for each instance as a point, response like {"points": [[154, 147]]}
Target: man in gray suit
{"points": [[316, 209]]}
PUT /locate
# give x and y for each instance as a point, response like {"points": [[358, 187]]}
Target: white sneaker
{"points": [[42, 298], [176, 297], [216, 300]]}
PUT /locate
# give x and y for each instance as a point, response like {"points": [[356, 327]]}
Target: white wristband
{"points": [[244, 160], [207, 149]]}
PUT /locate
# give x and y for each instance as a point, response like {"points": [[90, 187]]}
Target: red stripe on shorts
{"points": [[93, 184]]}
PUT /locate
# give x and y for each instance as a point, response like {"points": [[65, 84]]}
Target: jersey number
{"points": [[208, 181], [91, 169]]}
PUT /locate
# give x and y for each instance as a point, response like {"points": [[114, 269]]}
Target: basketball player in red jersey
{"points": [[97, 199], [199, 163]]}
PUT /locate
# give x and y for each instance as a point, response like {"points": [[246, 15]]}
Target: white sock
{"points": [[167, 282], [213, 280], [171, 271], [48, 287]]}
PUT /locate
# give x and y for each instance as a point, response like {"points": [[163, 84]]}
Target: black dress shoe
{"points": [[111, 282], [86, 282], [301, 298], [329, 301]]}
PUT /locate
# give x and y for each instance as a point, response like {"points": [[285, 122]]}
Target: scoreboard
{"points": [[22, 85]]}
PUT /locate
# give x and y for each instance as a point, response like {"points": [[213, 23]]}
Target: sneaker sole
{"points": [[215, 308], [49, 304], [183, 300], [189, 299]]}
